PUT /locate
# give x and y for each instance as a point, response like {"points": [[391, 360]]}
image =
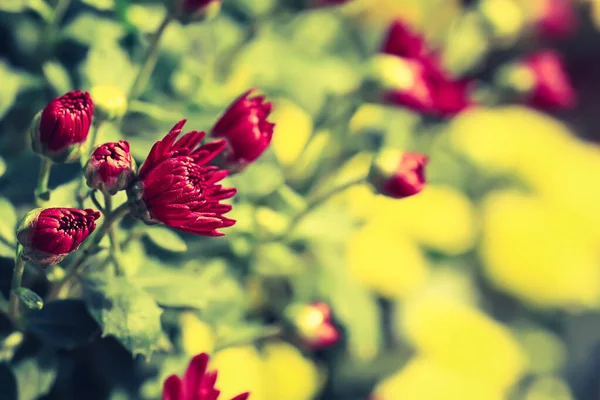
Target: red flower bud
{"points": [[197, 383], [396, 174], [110, 168], [552, 87], [313, 325], [245, 128], [49, 235], [178, 189], [60, 129], [194, 10], [556, 19]]}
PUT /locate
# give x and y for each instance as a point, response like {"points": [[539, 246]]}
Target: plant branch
{"points": [[42, 194], [17, 277], [150, 60], [115, 248]]}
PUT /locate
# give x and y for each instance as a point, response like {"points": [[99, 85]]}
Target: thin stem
{"points": [[92, 195], [42, 194], [150, 59], [115, 248], [88, 248], [314, 203], [16, 284]]}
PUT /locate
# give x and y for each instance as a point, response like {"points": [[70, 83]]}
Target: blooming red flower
{"points": [[433, 91], [552, 87], [49, 235], [556, 19], [197, 383], [178, 189], [60, 129], [110, 168], [398, 175], [313, 324], [245, 128]]}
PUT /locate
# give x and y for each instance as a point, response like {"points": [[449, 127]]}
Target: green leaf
{"points": [[58, 77], [102, 5], [244, 334], [13, 5], [8, 237], [2, 166], [166, 239], [35, 376], [9, 345], [63, 323], [11, 81], [352, 304], [64, 195], [30, 298], [127, 313], [89, 29], [108, 64], [258, 180], [210, 288]]}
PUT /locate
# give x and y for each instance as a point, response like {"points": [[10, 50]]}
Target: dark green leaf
{"points": [[35, 376], [127, 313], [166, 239], [63, 323], [30, 298]]}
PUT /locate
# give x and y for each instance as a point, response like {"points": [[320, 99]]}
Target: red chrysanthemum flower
{"points": [[245, 128], [111, 167], [398, 175], [433, 90], [197, 383], [313, 324], [556, 19], [178, 189], [60, 129], [552, 87], [49, 235]]}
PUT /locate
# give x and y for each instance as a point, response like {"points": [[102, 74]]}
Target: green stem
{"points": [[314, 203], [42, 194], [115, 248], [150, 60], [91, 244], [13, 308]]}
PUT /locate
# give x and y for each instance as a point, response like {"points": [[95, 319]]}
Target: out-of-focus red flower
{"points": [[313, 324], [434, 91], [556, 19], [176, 187], [110, 168], [552, 87], [197, 383], [192, 6], [245, 128], [49, 235], [62, 126], [328, 3], [398, 175]]}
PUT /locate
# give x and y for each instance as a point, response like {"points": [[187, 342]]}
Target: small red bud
{"points": [[398, 175], [110, 168]]}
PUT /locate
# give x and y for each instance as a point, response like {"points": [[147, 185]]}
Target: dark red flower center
{"points": [[113, 153], [71, 223], [75, 102], [194, 175]]}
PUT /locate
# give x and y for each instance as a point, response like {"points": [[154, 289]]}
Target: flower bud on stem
{"points": [[16, 284]]}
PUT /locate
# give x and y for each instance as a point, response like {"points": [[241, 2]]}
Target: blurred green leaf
{"points": [[58, 77], [2, 166], [11, 82], [258, 180], [276, 259], [237, 335], [64, 195], [35, 376], [353, 306], [108, 64], [63, 324], [30, 298], [127, 313], [8, 237], [166, 239], [13, 5], [210, 288], [9, 345], [89, 29], [102, 5]]}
